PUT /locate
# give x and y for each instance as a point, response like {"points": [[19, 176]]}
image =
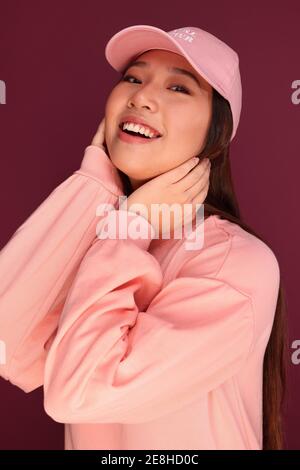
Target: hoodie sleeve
{"points": [[128, 350], [40, 260]]}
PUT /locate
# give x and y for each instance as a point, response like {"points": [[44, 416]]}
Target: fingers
{"points": [[198, 174], [192, 205], [176, 174], [198, 193], [100, 134]]}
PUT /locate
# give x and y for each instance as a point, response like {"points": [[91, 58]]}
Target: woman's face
{"points": [[171, 102]]}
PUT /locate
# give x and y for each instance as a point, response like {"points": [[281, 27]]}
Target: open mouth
{"points": [[137, 134]]}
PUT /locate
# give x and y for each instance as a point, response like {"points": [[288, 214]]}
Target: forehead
{"points": [[163, 56], [164, 59]]}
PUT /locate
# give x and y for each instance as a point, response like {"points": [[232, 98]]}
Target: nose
{"points": [[144, 98]]}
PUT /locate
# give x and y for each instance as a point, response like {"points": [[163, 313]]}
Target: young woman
{"points": [[151, 342]]}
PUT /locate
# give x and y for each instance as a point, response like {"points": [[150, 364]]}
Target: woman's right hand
{"points": [[178, 185]]}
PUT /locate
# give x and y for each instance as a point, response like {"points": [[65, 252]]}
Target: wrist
{"points": [[130, 205]]}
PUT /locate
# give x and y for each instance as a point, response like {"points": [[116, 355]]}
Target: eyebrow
{"points": [[141, 63]]}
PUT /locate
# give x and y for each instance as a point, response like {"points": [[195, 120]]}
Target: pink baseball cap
{"points": [[214, 60]]}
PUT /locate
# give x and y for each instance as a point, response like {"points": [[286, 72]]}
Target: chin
{"points": [[134, 169]]}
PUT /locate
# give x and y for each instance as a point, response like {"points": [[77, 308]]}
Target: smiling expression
{"points": [[171, 101]]}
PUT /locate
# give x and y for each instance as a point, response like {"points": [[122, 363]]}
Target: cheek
{"points": [[186, 126], [183, 138], [195, 130]]}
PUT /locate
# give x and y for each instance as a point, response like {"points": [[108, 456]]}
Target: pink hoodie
{"points": [[136, 347]]}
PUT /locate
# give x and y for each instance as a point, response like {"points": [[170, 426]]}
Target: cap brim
{"points": [[130, 42]]}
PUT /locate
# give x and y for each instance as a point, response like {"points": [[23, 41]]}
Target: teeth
{"points": [[139, 129]]}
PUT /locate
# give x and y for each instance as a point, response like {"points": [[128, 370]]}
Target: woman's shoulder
{"points": [[231, 253], [246, 251], [249, 263], [240, 262]]}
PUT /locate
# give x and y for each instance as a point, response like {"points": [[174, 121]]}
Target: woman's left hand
{"points": [[99, 137]]}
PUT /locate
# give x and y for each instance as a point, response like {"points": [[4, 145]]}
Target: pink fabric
{"points": [[39, 262], [144, 348]]}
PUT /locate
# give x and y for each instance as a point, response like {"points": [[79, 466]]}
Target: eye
{"points": [[126, 77], [184, 90]]}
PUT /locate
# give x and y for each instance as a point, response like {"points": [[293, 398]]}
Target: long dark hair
{"points": [[221, 200]]}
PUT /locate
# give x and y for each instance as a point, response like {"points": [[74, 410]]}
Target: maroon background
{"points": [[57, 81]]}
